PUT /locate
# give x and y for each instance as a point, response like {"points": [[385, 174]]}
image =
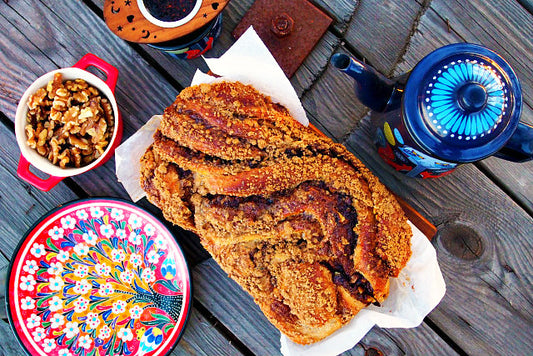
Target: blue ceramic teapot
{"points": [[461, 103]]}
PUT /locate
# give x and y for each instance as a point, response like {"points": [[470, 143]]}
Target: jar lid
{"points": [[155, 21], [98, 276], [462, 102]]}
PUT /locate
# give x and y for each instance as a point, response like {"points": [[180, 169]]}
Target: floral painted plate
{"points": [[98, 277]]}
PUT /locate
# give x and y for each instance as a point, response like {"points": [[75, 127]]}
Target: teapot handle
{"points": [[519, 148]]}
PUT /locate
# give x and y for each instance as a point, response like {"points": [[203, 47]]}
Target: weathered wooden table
{"points": [[483, 211]]}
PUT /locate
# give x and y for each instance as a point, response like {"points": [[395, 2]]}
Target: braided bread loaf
{"points": [[294, 218]]}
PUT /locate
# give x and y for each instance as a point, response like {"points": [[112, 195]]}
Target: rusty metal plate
{"points": [[289, 28]]}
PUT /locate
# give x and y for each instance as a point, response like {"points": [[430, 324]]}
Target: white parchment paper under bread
{"points": [[419, 287]]}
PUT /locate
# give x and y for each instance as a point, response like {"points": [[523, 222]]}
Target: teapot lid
{"points": [[462, 102]]}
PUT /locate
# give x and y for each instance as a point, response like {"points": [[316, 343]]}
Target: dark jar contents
{"points": [[169, 10]]}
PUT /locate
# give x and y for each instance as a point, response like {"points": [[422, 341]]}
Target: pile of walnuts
{"points": [[69, 123]]}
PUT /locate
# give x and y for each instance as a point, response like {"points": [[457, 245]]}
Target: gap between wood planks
{"points": [[238, 344], [424, 5], [498, 182], [444, 337]]}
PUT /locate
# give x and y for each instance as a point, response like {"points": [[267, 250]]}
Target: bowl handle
{"points": [[111, 72], [24, 172]]}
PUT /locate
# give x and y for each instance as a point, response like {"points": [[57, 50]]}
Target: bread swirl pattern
{"points": [[293, 217]]}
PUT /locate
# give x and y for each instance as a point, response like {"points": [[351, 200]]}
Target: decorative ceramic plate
{"points": [[98, 277]]}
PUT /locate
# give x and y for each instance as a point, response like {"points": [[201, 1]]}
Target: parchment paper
{"points": [[417, 290]]}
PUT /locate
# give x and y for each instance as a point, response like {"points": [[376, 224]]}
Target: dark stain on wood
{"points": [[462, 241], [371, 350], [30, 209], [508, 268]]}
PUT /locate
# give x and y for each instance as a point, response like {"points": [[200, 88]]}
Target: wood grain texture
{"points": [[340, 10], [421, 340], [237, 311], [516, 178], [332, 105], [483, 250], [503, 26], [201, 338], [315, 64], [380, 30], [22, 204], [234, 308]]}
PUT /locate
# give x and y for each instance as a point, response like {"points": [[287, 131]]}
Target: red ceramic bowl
{"points": [[96, 277], [30, 157]]}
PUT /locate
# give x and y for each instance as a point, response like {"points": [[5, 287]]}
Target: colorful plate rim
{"points": [[188, 297]]}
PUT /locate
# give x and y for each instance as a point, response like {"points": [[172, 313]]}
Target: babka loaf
{"points": [[293, 217]]}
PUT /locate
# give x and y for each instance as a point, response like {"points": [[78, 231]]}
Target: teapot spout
{"points": [[371, 88]]}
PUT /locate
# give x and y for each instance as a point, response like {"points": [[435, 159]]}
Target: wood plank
{"points": [[201, 338], [237, 311], [331, 104], [421, 340], [516, 178], [511, 35], [315, 64], [380, 30], [4, 266], [341, 11], [21, 204], [484, 246], [234, 308]]}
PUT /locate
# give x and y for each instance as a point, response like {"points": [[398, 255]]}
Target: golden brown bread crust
{"points": [[294, 218]]}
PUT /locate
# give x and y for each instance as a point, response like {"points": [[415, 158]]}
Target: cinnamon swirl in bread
{"points": [[293, 217]]}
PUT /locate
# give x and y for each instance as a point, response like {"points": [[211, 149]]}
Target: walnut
{"points": [[37, 98], [81, 96], [64, 158], [54, 85], [70, 123], [82, 143], [30, 132], [42, 137], [55, 115]]}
